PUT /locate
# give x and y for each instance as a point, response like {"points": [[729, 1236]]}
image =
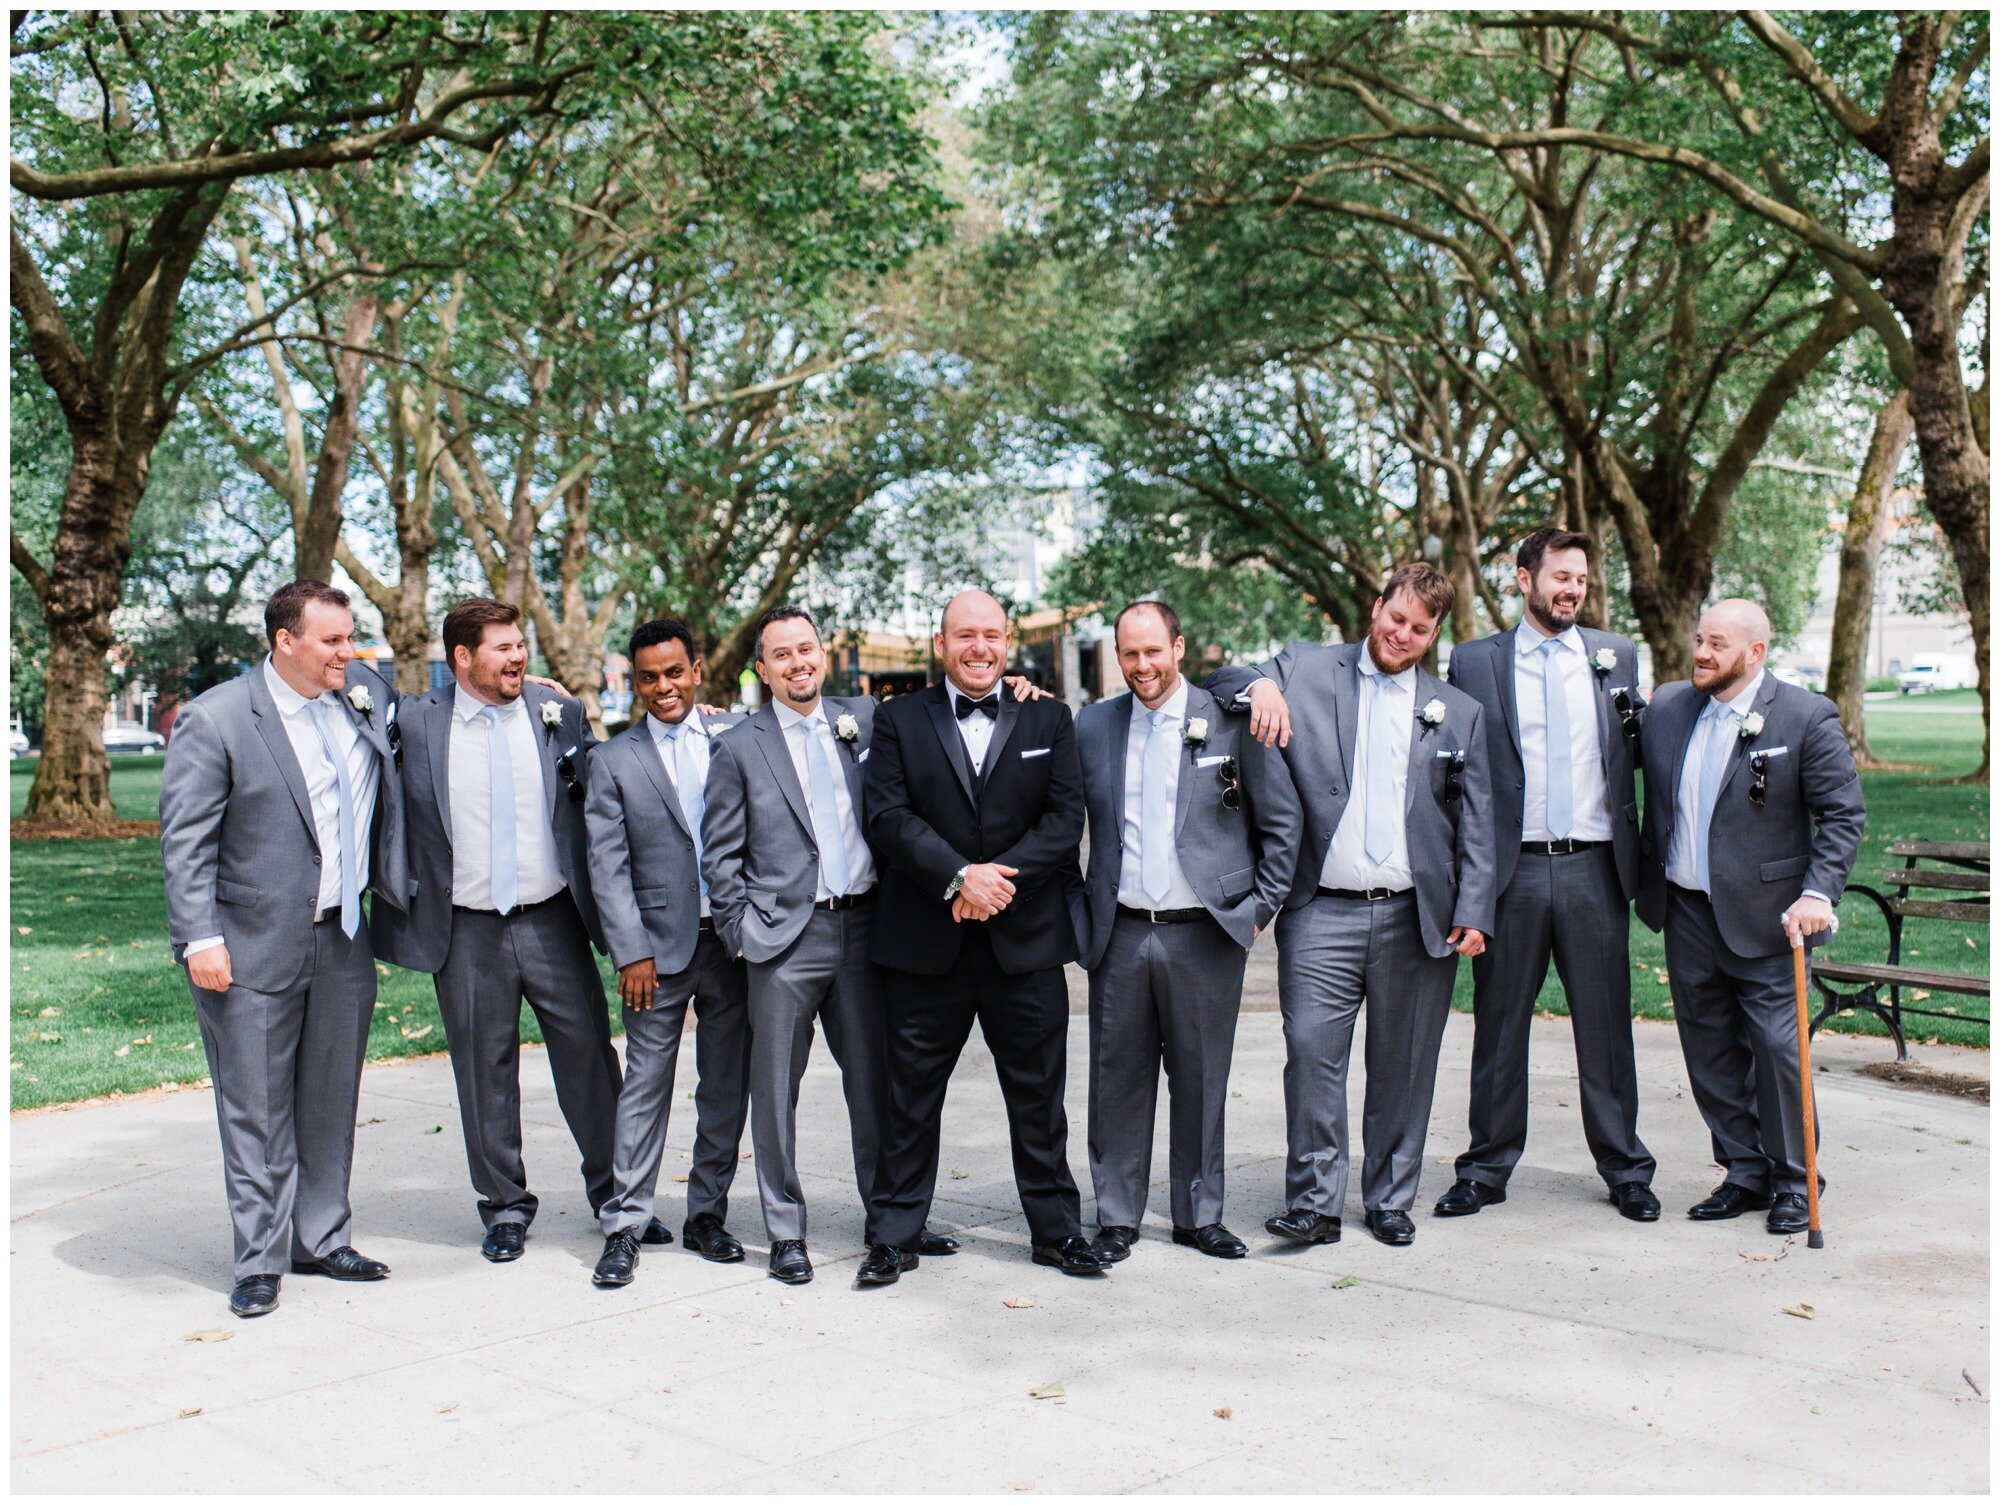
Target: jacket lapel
{"points": [[1740, 747], [1347, 707], [1683, 739], [437, 709], [1420, 740], [946, 726], [771, 737], [1600, 698], [271, 726], [850, 755], [1199, 703], [532, 701], [648, 754], [1501, 664], [369, 726]]}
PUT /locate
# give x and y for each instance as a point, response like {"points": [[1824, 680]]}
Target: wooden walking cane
{"points": [[1814, 1239]]}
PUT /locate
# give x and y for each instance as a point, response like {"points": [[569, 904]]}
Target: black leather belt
{"points": [[705, 926], [845, 901], [518, 909], [1561, 848], [1164, 916], [1367, 895], [327, 914]]}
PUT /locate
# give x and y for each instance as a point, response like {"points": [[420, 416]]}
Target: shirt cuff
{"points": [[197, 946], [1242, 700], [1813, 893]]}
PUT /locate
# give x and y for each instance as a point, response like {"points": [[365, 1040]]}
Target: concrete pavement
{"points": [[1545, 1344]]}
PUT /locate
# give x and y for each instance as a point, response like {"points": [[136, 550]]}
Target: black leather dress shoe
{"points": [[1390, 1226], [254, 1296], [344, 1263], [1114, 1243], [883, 1264], [708, 1238], [1636, 1201], [505, 1241], [1073, 1256], [936, 1245], [618, 1262], [1212, 1239], [789, 1262], [1466, 1197], [1788, 1213], [1729, 1201], [1304, 1227], [656, 1233]]}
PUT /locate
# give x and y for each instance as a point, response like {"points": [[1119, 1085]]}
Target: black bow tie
{"points": [[989, 707]]}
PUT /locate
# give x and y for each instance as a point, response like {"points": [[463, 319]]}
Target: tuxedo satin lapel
{"points": [[1501, 665], [946, 726], [771, 738], [1199, 703], [1003, 729], [434, 715], [271, 726], [643, 748], [1347, 707]]}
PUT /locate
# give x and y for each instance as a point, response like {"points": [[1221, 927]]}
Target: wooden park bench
{"points": [[1959, 881]]}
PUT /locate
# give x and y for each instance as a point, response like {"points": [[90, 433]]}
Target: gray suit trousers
{"points": [[1738, 1024], [1568, 907], [287, 1074], [540, 953], [714, 981], [825, 974], [1163, 994], [1332, 955]]}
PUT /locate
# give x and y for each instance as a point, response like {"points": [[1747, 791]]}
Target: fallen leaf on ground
{"points": [[680, 1178], [190, 1410], [446, 1405], [1049, 1391], [1225, 1412], [960, 1175], [1019, 1303], [1025, 1484], [208, 1335], [435, 1129], [1344, 1282], [784, 1301], [416, 1034], [1803, 1309], [1819, 1410]]}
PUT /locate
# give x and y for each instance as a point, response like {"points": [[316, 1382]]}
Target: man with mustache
{"points": [[1395, 883], [975, 803], [1754, 817], [1568, 866]]}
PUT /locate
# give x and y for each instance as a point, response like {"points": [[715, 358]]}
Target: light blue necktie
{"points": [[688, 785], [1156, 807], [1714, 758], [826, 814], [350, 874], [1379, 792], [1555, 712], [506, 867]]}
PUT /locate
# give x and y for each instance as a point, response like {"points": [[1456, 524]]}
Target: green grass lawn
{"points": [[98, 1005]]}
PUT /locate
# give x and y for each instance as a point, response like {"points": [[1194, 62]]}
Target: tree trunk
{"points": [[1860, 551], [319, 529]]}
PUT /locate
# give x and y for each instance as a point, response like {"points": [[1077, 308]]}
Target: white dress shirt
{"points": [[1589, 798], [471, 806], [1687, 799], [364, 773], [1347, 864], [694, 744], [1131, 888], [860, 863], [975, 731]]}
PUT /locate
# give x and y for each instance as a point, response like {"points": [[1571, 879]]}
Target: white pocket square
{"points": [[1211, 762], [1771, 752], [1450, 752], [1034, 752], [862, 756]]}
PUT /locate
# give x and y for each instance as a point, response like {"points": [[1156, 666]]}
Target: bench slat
{"points": [[1934, 877], [1936, 909], [1906, 977], [1959, 851]]}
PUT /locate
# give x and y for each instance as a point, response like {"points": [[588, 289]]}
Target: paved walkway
{"points": [[1544, 1345]]}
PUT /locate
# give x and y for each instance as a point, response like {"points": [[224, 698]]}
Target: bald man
{"points": [[1754, 817], [975, 809]]}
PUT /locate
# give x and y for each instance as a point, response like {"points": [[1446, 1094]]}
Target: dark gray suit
{"points": [[1728, 960], [1395, 953], [646, 880], [806, 962], [286, 1041], [1168, 993], [484, 963], [1569, 905]]}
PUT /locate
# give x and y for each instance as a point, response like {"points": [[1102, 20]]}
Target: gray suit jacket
{"points": [[1806, 834], [237, 836], [757, 845], [419, 937], [1484, 669], [1451, 842], [642, 855], [1238, 862]]}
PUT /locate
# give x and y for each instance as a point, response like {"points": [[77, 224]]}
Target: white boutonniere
{"points": [[1752, 725], [846, 728], [1433, 713], [551, 713], [1195, 733], [360, 699], [1604, 661]]}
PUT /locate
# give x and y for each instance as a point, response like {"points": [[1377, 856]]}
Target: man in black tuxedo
{"points": [[975, 809]]}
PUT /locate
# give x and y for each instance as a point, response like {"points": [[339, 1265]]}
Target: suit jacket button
{"points": [[694, 888], [447, 890]]}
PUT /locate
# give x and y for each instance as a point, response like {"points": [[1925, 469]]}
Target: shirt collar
{"points": [[661, 729], [289, 701], [1175, 704], [1406, 680], [956, 694], [469, 707], [789, 718], [1528, 638], [1739, 704]]}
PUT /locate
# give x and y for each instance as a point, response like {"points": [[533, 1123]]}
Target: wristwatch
{"points": [[957, 882]]}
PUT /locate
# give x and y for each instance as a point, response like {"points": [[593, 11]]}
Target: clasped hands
{"points": [[985, 892]]}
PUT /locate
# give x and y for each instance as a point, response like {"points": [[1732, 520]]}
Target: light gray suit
{"points": [[806, 962], [1168, 993], [646, 879], [286, 1041], [1335, 952]]}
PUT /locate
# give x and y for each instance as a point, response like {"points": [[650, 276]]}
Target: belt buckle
{"points": [[1153, 917], [1374, 895]]}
